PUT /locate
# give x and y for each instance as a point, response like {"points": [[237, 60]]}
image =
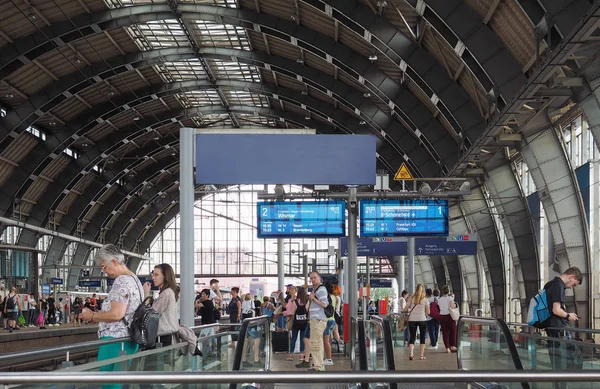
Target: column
{"points": [[280, 267], [186, 210], [411, 265]]}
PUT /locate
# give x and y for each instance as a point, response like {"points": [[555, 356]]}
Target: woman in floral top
{"points": [[118, 307]]}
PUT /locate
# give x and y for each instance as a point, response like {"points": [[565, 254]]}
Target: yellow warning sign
{"points": [[403, 173]]}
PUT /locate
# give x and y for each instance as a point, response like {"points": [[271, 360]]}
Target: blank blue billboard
{"points": [[229, 159]]}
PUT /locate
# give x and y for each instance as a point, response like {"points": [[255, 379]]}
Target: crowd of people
{"points": [[46, 311], [422, 321]]}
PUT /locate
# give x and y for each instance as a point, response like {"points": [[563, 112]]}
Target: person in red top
{"points": [[94, 303]]}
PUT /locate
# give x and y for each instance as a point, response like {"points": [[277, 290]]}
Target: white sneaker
{"points": [[327, 362], [433, 347]]}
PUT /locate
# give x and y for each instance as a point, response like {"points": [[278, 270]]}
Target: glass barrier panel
{"points": [[255, 347], [376, 356], [539, 352], [482, 345]]}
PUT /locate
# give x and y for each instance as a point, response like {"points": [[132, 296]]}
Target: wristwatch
{"points": [[568, 316]]}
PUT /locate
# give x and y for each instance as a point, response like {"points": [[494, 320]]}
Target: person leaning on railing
{"points": [[118, 307]]}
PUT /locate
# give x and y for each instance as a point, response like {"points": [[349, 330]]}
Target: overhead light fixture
{"points": [[465, 187], [367, 94], [294, 17], [307, 117], [279, 191], [300, 60], [304, 92], [136, 118], [52, 123], [362, 122], [10, 95], [31, 15], [425, 189], [373, 57]]}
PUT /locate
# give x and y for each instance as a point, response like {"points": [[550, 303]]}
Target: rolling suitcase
{"points": [[280, 341]]}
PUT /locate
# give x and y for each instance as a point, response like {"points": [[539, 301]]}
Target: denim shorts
{"points": [[329, 328]]}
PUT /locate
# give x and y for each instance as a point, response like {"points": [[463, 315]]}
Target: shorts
{"points": [[329, 328], [307, 331], [12, 315]]}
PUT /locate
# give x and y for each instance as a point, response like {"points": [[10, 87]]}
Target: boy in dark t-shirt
{"points": [[563, 355]]}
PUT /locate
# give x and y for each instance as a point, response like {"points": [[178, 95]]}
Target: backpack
{"points": [[216, 313], [300, 317], [538, 314], [329, 308], [143, 328], [434, 310], [10, 303]]}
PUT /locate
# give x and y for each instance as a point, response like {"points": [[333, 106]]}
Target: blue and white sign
{"points": [[281, 219], [456, 244], [451, 245], [89, 284], [46, 288], [380, 283], [372, 247], [403, 218], [57, 281]]}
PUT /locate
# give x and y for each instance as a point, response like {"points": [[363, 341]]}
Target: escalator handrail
{"points": [[388, 344], [239, 348], [501, 324], [362, 346], [570, 329], [31, 355]]}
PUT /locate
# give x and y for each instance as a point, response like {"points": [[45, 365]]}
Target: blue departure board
{"points": [[309, 219], [403, 217]]}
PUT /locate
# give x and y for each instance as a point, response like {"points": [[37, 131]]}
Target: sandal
{"points": [[422, 358], [411, 357], [290, 359]]}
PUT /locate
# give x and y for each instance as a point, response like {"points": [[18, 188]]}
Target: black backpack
{"points": [[143, 328], [216, 313], [10, 303], [300, 317], [329, 308]]}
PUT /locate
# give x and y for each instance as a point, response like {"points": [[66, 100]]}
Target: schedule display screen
{"points": [[403, 218], [285, 219]]}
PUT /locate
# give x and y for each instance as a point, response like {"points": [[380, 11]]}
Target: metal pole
{"points": [[280, 267], [411, 265], [186, 210], [366, 298], [352, 254], [305, 269], [400, 278]]}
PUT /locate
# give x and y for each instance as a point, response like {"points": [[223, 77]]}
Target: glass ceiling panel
{"points": [[248, 120], [158, 34], [234, 71], [210, 34], [240, 97], [200, 98], [190, 69]]}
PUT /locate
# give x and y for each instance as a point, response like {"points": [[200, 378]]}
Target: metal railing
{"points": [[32, 355], [237, 377], [388, 345]]}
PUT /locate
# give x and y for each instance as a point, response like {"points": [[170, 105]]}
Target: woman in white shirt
{"points": [[418, 306], [447, 324]]}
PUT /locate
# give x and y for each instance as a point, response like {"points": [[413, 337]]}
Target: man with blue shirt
{"points": [[318, 320]]}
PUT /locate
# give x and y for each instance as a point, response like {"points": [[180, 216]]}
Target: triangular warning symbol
{"points": [[403, 173]]}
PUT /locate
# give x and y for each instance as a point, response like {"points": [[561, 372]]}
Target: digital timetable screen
{"points": [[403, 218], [313, 219]]}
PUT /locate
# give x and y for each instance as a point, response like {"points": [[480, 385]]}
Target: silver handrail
{"points": [[237, 377], [22, 356]]}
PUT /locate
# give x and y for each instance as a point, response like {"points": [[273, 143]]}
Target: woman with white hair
{"points": [[118, 308]]}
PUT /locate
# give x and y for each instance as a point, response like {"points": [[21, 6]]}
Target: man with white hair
{"points": [[318, 320]]}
